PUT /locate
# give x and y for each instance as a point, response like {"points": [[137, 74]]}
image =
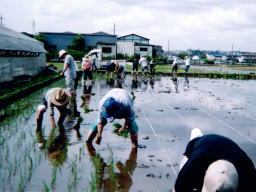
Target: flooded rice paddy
{"points": [[48, 160]]}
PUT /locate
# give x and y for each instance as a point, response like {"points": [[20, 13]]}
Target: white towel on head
{"points": [[196, 132]]}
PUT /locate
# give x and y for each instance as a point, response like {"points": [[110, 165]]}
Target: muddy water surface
{"points": [[58, 160]]}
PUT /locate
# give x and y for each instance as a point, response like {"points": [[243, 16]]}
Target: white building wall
{"points": [[113, 50], [149, 51], [125, 48]]}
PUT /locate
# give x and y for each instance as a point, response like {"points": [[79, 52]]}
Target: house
{"points": [[134, 44], [248, 58], [100, 40], [20, 55]]}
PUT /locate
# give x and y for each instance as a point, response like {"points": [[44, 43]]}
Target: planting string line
{"points": [[158, 139], [248, 116], [219, 120], [224, 123]]}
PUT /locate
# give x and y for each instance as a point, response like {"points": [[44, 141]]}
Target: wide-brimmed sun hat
{"points": [[108, 107], [62, 52], [60, 97], [221, 176]]}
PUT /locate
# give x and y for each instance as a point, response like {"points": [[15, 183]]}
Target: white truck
{"points": [[96, 54]]}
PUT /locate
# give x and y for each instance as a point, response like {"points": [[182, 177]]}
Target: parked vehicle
{"points": [[96, 54]]}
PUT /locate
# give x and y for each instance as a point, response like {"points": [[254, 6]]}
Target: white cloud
{"points": [[205, 24]]}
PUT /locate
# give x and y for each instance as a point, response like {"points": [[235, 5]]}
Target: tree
{"points": [[41, 37], [182, 55], [78, 43]]}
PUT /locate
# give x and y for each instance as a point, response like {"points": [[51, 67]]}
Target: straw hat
{"points": [[221, 176], [60, 97]]}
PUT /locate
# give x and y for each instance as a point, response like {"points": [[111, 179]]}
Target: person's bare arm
{"points": [[52, 121], [65, 68], [99, 134], [125, 125]]}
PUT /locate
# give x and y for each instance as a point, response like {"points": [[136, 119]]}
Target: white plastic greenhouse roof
{"points": [[12, 40]]}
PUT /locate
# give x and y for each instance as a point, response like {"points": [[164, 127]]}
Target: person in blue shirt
{"points": [[116, 104]]}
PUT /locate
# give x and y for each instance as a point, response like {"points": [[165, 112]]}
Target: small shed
{"points": [[20, 55]]}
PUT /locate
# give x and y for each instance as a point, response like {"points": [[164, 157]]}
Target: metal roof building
{"points": [[19, 55], [64, 40]]}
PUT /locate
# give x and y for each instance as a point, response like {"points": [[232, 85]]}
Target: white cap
{"points": [[62, 52], [196, 132], [220, 176]]}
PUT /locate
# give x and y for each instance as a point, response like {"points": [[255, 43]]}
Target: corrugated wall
{"points": [[125, 48], [11, 67]]}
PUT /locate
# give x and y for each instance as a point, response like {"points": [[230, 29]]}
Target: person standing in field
{"points": [[87, 69], [144, 64], [187, 64], [135, 66], [69, 71], [175, 65]]}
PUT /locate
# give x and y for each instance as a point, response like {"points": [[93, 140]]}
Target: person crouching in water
{"points": [[117, 103], [54, 97], [214, 163]]}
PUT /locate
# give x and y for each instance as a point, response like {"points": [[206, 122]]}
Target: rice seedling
{"points": [[124, 133], [54, 176], [21, 185], [96, 175], [111, 168], [93, 185], [46, 187], [30, 168]]}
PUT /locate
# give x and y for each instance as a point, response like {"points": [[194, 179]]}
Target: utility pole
{"points": [[232, 53], [2, 18], [114, 28], [33, 27], [168, 46]]}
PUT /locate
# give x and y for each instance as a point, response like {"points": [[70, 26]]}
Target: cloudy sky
{"points": [[186, 24]]}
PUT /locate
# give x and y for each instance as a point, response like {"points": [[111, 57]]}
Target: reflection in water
{"points": [[144, 84], [135, 82], [118, 83], [186, 84], [106, 178], [110, 82], [152, 82], [55, 145], [86, 98], [175, 83]]}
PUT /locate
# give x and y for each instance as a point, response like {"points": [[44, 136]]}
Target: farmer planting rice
{"points": [[54, 97], [214, 163], [117, 103]]}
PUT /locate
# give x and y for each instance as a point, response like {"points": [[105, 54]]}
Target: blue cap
{"points": [[109, 107]]}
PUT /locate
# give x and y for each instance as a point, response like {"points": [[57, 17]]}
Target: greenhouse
{"points": [[20, 55]]}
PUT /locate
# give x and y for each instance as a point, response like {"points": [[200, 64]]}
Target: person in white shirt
{"points": [[69, 70], [187, 63], [144, 63]]}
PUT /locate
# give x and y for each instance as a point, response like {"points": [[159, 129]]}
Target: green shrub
{"points": [[77, 55]]}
